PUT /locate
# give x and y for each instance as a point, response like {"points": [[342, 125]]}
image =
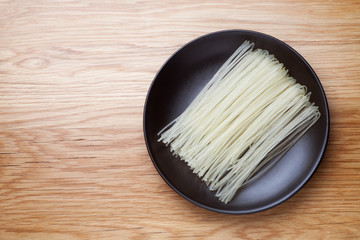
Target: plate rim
{"points": [[301, 184]]}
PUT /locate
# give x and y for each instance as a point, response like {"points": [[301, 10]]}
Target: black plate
{"points": [[176, 85]]}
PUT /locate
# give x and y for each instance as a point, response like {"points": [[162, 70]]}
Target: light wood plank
{"points": [[73, 81]]}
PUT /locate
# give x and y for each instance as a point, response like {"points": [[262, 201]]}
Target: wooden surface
{"points": [[73, 80]]}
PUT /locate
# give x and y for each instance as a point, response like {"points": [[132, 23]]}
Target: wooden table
{"points": [[73, 80]]}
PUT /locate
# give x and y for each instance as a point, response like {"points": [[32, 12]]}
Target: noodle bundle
{"points": [[249, 113]]}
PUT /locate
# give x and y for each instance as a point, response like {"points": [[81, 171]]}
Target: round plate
{"points": [[178, 82]]}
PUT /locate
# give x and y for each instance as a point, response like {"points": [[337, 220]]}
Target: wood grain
{"points": [[73, 81]]}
